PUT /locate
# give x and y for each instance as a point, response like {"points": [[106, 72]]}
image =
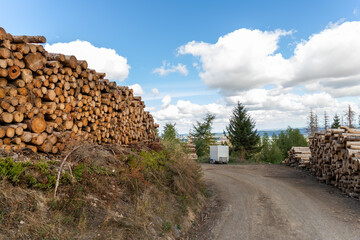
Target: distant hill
{"points": [[277, 131], [261, 133]]}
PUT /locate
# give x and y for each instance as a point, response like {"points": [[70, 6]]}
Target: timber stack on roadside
{"points": [[48, 98], [335, 158], [298, 157]]}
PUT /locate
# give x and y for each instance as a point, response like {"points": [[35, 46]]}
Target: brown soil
{"points": [[274, 202]]}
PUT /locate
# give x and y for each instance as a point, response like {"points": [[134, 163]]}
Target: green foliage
{"points": [[275, 150], [12, 170], [336, 122], [34, 175], [242, 133], [266, 147], [169, 132], [202, 136], [290, 138]]}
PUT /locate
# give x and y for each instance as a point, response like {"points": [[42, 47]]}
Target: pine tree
{"points": [[349, 114], [242, 133], [336, 122], [202, 136], [326, 120]]}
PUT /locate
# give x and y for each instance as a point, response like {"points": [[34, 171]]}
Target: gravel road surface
{"points": [[276, 202]]}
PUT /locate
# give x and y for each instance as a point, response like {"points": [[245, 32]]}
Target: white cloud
{"points": [[101, 59], [166, 101], [246, 59], [355, 11], [329, 57], [167, 68], [155, 91], [242, 59], [137, 89]]}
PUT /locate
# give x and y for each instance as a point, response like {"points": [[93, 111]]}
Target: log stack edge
{"points": [[48, 98]]}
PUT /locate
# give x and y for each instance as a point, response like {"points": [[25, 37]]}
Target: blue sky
{"points": [[151, 33]]}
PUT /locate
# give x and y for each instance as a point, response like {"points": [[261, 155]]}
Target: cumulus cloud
{"points": [[166, 101], [101, 59], [167, 68], [137, 89], [242, 59], [246, 59]]}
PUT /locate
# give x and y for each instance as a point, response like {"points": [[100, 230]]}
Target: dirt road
{"points": [[277, 202]]}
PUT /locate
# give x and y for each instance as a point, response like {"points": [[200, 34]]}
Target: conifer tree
{"points": [[336, 122], [242, 134], [202, 136]]}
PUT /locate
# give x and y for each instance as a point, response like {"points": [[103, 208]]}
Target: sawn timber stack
{"points": [[48, 98]]}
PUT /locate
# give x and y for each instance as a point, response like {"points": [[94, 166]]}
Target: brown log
{"points": [[14, 72], [38, 139], [4, 72], [2, 34], [5, 53], [35, 61], [33, 148], [50, 95], [55, 57], [9, 131], [29, 39], [2, 133], [6, 117], [70, 61], [3, 63], [18, 117], [46, 146], [36, 124], [26, 75], [27, 136]]}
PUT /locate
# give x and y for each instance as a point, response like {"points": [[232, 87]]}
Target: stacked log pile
{"points": [[298, 157], [335, 158], [48, 98], [192, 151]]}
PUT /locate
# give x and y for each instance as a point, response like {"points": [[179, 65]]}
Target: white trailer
{"points": [[219, 154]]}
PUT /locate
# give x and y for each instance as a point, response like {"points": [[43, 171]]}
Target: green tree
{"points": [[169, 133], [275, 154], [202, 136], [265, 148], [336, 122], [289, 138], [242, 133]]}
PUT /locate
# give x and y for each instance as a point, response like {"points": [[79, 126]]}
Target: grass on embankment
{"points": [[107, 192]]}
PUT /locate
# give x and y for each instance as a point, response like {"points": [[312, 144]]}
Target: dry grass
{"points": [[106, 192]]}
